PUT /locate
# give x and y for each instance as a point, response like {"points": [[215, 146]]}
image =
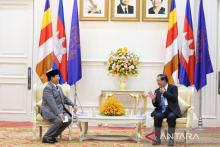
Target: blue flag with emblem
{"points": [[74, 56], [203, 62]]}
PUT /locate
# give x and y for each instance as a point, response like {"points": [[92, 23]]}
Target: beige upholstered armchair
{"points": [[38, 121], [186, 108]]}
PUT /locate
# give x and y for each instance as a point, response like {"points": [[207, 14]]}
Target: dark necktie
{"points": [[126, 10], [163, 103], [57, 87]]}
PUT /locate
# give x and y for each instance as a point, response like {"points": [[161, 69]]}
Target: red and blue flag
{"points": [[187, 55], [60, 51]]}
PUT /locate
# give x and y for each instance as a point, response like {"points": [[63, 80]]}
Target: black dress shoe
{"points": [[171, 142], [158, 142], [54, 139], [48, 140]]}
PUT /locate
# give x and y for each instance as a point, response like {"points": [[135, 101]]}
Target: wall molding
{"points": [[102, 62], [209, 117], [13, 112], [9, 3], [13, 77], [12, 56]]}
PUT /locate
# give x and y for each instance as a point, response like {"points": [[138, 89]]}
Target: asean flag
{"points": [[60, 51], [187, 56]]}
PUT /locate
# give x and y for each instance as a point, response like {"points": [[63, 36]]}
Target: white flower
{"points": [[113, 66], [121, 63], [131, 67]]}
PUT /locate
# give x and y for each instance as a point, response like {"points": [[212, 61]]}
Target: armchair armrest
{"points": [[189, 117], [37, 109]]}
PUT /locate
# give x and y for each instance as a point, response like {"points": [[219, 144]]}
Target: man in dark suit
{"points": [[125, 8], [165, 99], [157, 8], [53, 109]]}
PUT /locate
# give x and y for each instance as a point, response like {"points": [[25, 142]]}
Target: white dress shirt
{"points": [[56, 86], [123, 7], [165, 99]]}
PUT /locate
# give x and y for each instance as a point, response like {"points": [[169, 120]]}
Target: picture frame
{"points": [[94, 10], [129, 11], [151, 14]]}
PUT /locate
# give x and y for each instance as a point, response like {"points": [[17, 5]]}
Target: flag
{"points": [[171, 59], [74, 57], [203, 62], [187, 56], [60, 51], [44, 62]]}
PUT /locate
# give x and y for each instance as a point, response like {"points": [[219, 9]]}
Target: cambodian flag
{"points": [[203, 61], [74, 56], [187, 55], [60, 51]]}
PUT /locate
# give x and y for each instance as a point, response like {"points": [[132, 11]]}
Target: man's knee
{"points": [[158, 116], [69, 120], [171, 116], [58, 121], [171, 120]]}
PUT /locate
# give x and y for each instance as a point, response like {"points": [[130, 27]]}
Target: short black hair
{"points": [[163, 77], [52, 73]]}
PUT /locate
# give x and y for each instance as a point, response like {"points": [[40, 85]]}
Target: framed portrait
{"points": [[155, 10], [94, 9], [125, 10]]}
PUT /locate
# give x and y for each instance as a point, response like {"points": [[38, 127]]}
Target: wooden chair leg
{"points": [[61, 136], [40, 129], [185, 139], [70, 131], [34, 132], [165, 133]]}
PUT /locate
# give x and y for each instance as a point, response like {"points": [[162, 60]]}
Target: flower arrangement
{"points": [[123, 63], [112, 107]]}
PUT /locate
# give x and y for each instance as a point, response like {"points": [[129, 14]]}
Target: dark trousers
{"points": [[58, 126], [171, 120]]}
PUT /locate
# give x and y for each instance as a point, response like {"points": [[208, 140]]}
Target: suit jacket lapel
{"points": [[159, 98], [61, 96], [168, 88], [55, 89], [52, 85]]}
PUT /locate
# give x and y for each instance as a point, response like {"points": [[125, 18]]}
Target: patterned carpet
{"points": [[20, 135]]}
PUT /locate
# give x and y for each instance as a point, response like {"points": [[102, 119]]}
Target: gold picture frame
{"points": [[131, 11], [148, 14], [94, 10]]}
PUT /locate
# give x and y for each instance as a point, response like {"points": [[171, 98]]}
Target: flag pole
{"points": [[76, 98], [200, 121], [75, 94], [74, 115]]}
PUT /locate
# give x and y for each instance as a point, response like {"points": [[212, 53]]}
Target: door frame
{"points": [[218, 66]]}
